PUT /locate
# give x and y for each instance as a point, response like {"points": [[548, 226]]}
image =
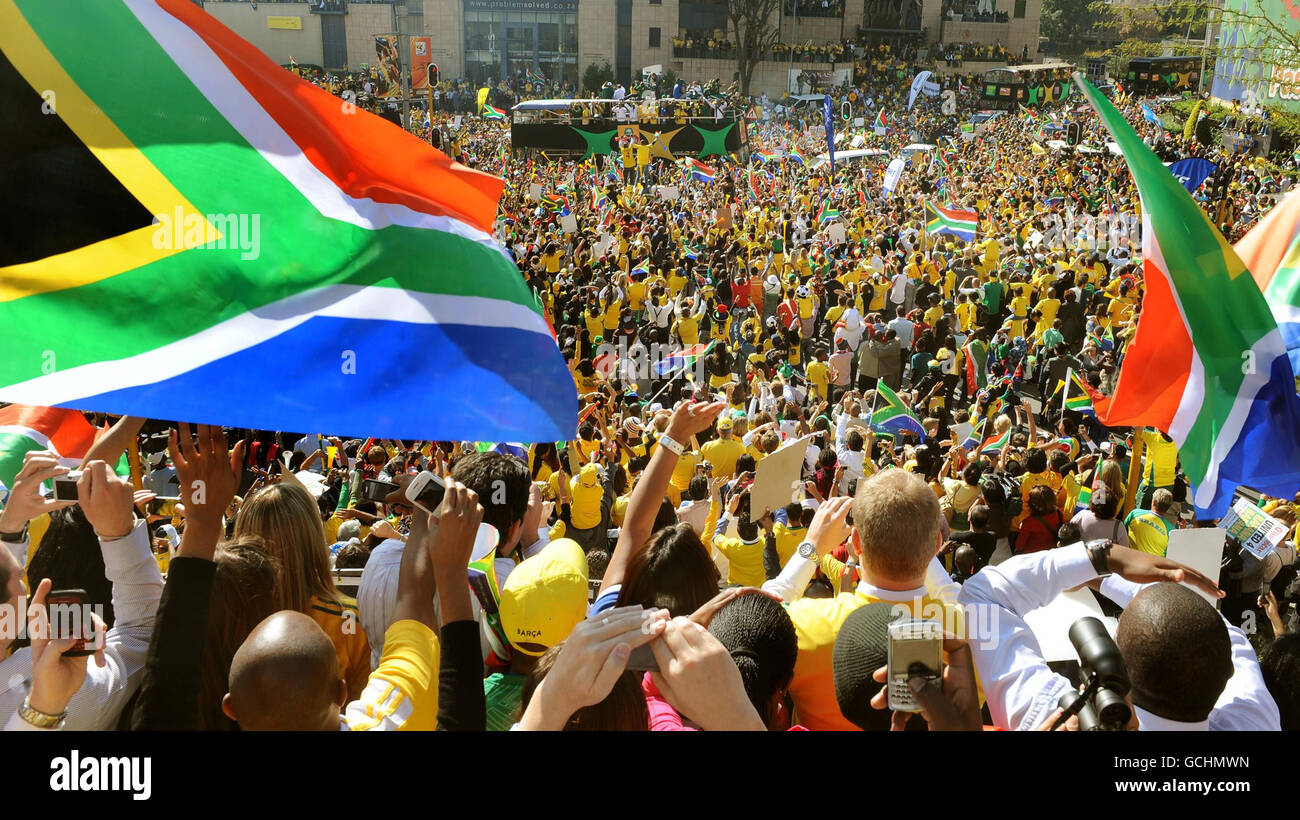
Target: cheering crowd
{"points": [[626, 580]]}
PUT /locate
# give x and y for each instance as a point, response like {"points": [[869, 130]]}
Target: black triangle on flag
{"points": [[58, 196]]}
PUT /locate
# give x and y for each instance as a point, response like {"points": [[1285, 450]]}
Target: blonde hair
{"points": [[896, 514], [287, 520], [1112, 476]]}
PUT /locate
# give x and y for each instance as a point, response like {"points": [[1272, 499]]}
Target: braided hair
{"points": [[759, 635]]}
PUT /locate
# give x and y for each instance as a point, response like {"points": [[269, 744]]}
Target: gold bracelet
{"points": [[39, 719]]}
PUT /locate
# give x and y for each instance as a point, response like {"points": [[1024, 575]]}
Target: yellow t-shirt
{"points": [[402, 693], [966, 315], [744, 560], [585, 506], [722, 454], [684, 470], [1160, 464], [340, 620], [817, 622], [1148, 532], [788, 540], [818, 374]]}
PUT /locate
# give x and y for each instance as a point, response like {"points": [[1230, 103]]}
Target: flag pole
{"points": [[1134, 472], [671, 378], [1065, 392]]}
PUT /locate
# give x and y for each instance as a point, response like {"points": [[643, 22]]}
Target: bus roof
{"points": [[550, 105], [1029, 68]]}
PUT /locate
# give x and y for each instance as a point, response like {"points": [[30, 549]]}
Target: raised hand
{"points": [[208, 473], [1144, 568], [458, 520], [106, 499], [698, 677], [25, 500], [830, 525], [952, 705], [589, 664], [689, 419]]}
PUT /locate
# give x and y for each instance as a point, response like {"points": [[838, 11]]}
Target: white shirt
{"points": [[904, 329], [377, 593], [308, 445], [898, 292], [1022, 690], [137, 588]]}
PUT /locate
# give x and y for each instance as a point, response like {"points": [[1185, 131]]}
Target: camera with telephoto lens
{"points": [[1100, 706]]}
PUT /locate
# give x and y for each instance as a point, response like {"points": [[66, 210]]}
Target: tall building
{"points": [[486, 40]]}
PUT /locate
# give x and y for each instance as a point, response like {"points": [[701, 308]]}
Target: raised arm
{"points": [[687, 420], [110, 447], [208, 475]]}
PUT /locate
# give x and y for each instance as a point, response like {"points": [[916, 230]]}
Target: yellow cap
{"points": [[545, 597]]}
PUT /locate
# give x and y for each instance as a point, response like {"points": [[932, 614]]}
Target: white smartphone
{"points": [[426, 491], [912, 641]]}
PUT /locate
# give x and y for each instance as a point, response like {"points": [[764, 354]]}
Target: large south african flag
{"points": [[197, 234], [1208, 364]]}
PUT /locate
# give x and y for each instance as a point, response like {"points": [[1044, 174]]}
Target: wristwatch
{"points": [[14, 537], [1099, 555], [675, 447], [808, 550], [40, 720]]}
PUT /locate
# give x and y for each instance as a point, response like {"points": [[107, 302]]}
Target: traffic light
{"points": [[1072, 133], [433, 74]]}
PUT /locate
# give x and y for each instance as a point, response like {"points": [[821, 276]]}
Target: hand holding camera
{"points": [[107, 500], [25, 500]]}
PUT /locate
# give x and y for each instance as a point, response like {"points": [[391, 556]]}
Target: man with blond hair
{"points": [[894, 539]]}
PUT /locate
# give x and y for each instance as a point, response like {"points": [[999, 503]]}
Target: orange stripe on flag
{"points": [[1263, 248], [364, 155], [1156, 366]]}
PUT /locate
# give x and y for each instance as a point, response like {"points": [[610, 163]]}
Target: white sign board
{"points": [[859, 122], [535, 192], [836, 233], [1200, 549], [569, 223], [668, 193], [776, 476]]}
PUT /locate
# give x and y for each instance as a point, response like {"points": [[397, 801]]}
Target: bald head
{"points": [[896, 517], [1177, 651], [285, 676]]}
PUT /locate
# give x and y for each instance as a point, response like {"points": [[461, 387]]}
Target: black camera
{"points": [[1101, 705]]}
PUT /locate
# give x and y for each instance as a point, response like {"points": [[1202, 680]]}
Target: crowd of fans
{"points": [[629, 581]]}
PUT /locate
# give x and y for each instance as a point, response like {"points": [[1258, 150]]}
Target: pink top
{"points": [[664, 718]]}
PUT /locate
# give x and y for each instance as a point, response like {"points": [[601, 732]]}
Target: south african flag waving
{"points": [[198, 234]]}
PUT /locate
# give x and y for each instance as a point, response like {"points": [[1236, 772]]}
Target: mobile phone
{"points": [[373, 490], [163, 506], [66, 610], [65, 486], [915, 650], [426, 491]]}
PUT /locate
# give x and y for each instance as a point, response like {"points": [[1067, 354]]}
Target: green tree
{"points": [[1066, 23], [751, 22]]}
